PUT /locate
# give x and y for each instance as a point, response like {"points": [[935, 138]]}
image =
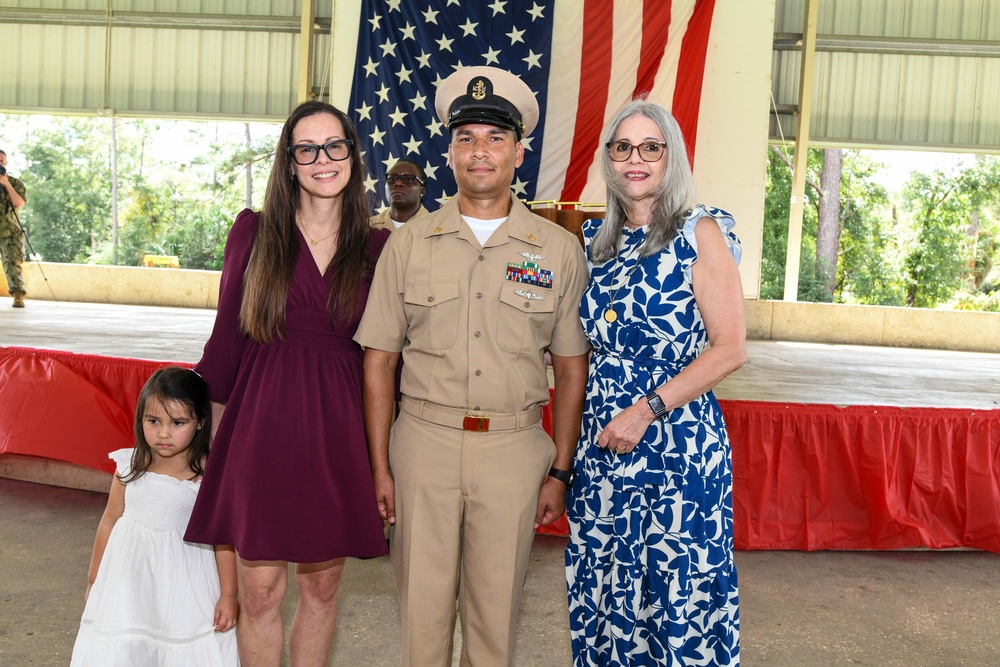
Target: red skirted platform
{"points": [[69, 407], [805, 476]]}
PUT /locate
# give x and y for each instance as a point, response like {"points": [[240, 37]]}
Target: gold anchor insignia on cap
{"points": [[479, 90]]}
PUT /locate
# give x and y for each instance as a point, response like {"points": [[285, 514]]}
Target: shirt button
{"points": [[479, 295], [479, 373], [481, 258], [476, 408], [430, 298], [527, 304], [478, 334]]}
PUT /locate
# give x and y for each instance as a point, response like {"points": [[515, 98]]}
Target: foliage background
{"points": [[180, 185], [933, 242]]}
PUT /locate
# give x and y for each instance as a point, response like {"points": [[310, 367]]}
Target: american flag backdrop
{"points": [[584, 59]]}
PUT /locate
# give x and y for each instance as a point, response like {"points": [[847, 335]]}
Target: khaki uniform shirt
{"points": [[384, 220], [472, 329]]}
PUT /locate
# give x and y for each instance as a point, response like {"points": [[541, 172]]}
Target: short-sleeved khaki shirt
{"points": [[384, 219], [473, 323]]}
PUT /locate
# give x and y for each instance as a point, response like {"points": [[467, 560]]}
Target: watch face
{"points": [[656, 405]]}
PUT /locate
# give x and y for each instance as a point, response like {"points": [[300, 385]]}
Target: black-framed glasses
{"points": [[405, 179], [649, 151], [336, 150]]}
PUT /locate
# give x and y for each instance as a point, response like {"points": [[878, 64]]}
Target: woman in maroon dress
{"points": [[288, 477]]}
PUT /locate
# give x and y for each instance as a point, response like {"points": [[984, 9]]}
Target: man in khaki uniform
{"points": [[472, 295], [404, 191]]}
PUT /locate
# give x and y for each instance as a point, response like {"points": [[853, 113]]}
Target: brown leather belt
{"points": [[470, 421]]}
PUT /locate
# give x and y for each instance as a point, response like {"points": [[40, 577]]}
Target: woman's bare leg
{"points": [[316, 615]]}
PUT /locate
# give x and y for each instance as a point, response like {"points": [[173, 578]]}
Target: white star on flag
{"points": [[582, 64]]}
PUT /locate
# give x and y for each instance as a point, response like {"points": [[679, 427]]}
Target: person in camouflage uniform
{"points": [[12, 197]]}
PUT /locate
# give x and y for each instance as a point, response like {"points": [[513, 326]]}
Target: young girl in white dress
{"points": [[153, 599]]}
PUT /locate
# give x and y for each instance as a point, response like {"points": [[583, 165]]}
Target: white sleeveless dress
{"points": [[154, 598]]}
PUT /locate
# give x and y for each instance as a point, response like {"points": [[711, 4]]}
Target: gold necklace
{"points": [[309, 238], [609, 313]]}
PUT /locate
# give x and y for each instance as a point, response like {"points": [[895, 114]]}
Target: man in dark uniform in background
{"points": [[472, 296], [12, 197]]}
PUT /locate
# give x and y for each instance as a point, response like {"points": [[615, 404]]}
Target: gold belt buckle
{"points": [[476, 423]]}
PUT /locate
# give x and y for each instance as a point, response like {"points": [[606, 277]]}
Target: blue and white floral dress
{"points": [[650, 559]]}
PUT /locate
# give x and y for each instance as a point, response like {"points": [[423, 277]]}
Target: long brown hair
{"points": [[173, 386], [276, 246]]}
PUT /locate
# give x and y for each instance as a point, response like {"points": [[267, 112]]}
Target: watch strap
{"points": [[564, 476]]}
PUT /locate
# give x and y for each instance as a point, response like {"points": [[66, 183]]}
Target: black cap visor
{"points": [[466, 111]]}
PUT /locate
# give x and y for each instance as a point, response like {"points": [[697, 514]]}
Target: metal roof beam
{"points": [[790, 41], [163, 20]]}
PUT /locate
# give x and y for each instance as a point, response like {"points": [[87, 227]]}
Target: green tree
{"points": [[200, 239], [869, 268], [68, 181], [186, 208], [936, 257], [777, 205], [813, 274], [143, 223]]}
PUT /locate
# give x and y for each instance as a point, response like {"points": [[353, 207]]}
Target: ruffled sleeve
{"points": [[123, 461], [726, 224], [223, 352]]}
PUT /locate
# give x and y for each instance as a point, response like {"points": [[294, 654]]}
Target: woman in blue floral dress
{"points": [[650, 560]]}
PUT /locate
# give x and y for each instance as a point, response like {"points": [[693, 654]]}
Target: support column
{"points": [[794, 250], [306, 43]]}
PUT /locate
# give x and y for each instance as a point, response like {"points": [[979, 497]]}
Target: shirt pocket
{"points": [[524, 323], [432, 310]]}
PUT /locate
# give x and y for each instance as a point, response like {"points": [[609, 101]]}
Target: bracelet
{"points": [[564, 476]]}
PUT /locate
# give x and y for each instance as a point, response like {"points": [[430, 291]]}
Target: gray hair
{"points": [[673, 198]]}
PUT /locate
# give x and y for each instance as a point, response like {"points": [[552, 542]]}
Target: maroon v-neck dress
{"points": [[288, 476]]}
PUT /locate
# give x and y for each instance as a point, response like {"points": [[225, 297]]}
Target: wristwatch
{"points": [[564, 476], [656, 405]]}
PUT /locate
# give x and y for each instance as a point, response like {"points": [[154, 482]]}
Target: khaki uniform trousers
{"points": [[465, 511]]}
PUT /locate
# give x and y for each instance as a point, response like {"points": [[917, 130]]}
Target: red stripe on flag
{"points": [[655, 31], [690, 73], [595, 77]]}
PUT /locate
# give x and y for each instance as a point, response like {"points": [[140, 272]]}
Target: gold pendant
{"points": [[610, 315]]}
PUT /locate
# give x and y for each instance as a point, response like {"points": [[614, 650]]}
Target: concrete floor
{"points": [[905, 609], [926, 608]]}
